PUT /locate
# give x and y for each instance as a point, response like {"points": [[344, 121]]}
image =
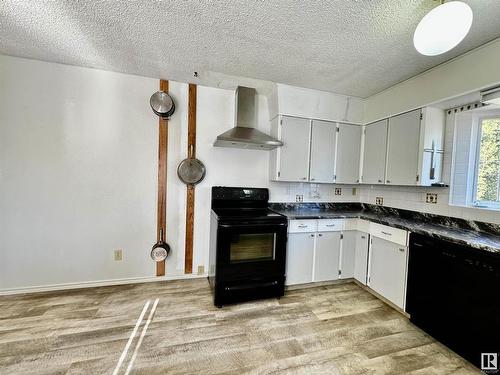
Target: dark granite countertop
{"points": [[455, 230]]}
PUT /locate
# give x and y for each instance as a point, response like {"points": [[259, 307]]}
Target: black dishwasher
{"points": [[453, 294]]}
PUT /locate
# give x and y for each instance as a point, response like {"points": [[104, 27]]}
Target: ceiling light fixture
{"points": [[443, 28]]}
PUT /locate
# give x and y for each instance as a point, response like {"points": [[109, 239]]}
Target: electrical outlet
{"points": [[118, 254], [431, 198], [338, 191], [201, 270], [379, 201], [299, 198]]}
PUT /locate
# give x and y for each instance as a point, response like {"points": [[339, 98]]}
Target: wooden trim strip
{"points": [[162, 181], [188, 251]]}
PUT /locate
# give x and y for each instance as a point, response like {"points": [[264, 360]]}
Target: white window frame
{"points": [[478, 134]]}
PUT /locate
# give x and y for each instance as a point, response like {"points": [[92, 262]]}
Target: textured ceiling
{"points": [[353, 47]]}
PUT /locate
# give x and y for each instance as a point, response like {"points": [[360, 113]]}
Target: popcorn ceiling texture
{"points": [[352, 47]]}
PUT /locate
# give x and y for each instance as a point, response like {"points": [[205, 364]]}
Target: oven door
{"points": [[251, 250]]}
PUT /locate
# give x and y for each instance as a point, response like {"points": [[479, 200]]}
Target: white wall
{"points": [[78, 173], [470, 72], [320, 105]]}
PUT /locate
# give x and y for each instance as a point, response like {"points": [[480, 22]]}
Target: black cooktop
{"points": [[247, 213]]}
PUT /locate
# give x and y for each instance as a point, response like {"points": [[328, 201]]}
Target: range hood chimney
{"points": [[244, 134]]}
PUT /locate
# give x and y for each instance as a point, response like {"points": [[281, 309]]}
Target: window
{"points": [[474, 141], [487, 164]]}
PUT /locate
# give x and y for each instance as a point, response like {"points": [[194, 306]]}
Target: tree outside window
{"points": [[487, 192]]}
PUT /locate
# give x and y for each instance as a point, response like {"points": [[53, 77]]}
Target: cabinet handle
{"points": [[363, 237], [312, 179], [312, 234], [380, 181], [302, 226], [320, 235], [303, 178], [402, 250], [330, 225], [388, 181], [387, 233]]}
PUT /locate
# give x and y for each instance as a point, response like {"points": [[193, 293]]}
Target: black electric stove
{"points": [[247, 246]]}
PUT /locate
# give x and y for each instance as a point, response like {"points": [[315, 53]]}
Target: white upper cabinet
{"points": [[403, 149], [322, 152], [406, 149], [291, 161], [431, 145], [374, 153], [348, 154]]}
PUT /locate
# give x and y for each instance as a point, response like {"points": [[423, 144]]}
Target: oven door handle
{"points": [[250, 286], [252, 225]]}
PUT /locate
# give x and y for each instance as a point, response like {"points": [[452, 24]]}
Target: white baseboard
{"points": [[93, 284]]}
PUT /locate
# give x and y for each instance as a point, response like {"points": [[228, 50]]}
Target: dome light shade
{"points": [[443, 28]]}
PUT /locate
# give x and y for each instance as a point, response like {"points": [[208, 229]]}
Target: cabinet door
{"points": [[403, 148], [323, 135], [348, 154], [361, 257], [299, 258], [326, 263], [347, 253], [294, 154], [374, 153], [387, 273]]}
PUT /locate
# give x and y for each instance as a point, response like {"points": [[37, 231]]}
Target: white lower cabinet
{"points": [[361, 257], [347, 254], [325, 250], [327, 255], [299, 258], [387, 270]]}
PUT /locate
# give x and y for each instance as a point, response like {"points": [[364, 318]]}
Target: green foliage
{"points": [[488, 179]]}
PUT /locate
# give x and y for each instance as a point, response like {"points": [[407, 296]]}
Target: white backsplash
{"points": [[403, 197], [287, 192], [413, 198]]}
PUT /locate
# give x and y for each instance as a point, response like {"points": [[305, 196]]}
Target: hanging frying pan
{"points": [[162, 104], [191, 171], [160, 250]]}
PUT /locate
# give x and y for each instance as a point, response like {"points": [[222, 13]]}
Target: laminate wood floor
{"points": [[336, 329]]}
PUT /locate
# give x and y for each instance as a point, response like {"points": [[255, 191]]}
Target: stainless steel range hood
{"points": [[244, 134]]}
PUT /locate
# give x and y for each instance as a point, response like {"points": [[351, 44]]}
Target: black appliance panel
{"points": [[452, 294], [237, 264], [239, 197], [248, 246]]}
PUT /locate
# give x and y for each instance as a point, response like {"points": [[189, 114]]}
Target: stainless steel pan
{"points": [[160, 250], [191, 171], [162, 104]]}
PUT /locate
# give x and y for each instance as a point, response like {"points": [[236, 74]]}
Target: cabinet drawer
{"points": [[384, 232], [302, 226], [330, 225]]}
